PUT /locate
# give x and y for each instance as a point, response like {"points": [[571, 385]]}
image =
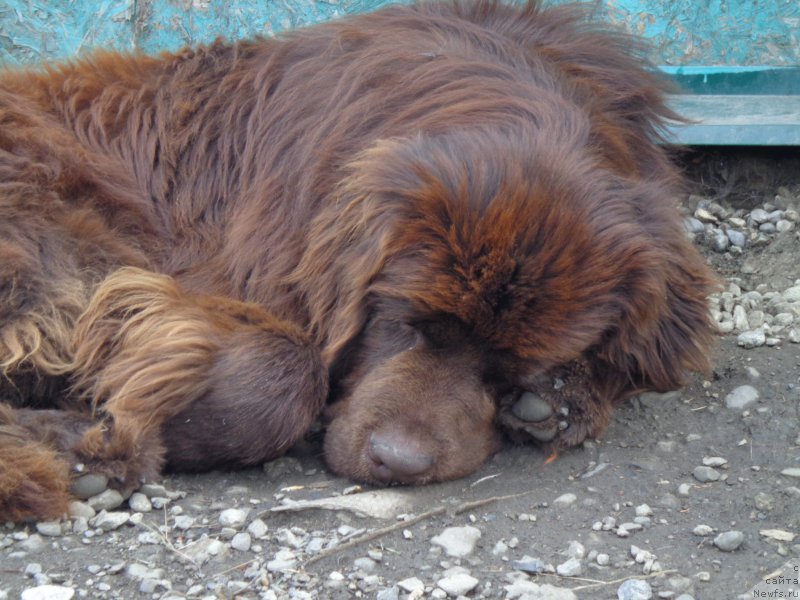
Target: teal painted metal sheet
{"points": [[683, 32]]}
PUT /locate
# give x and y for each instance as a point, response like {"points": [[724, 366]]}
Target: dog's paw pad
{"points": [[532, 408], [88, 485]]}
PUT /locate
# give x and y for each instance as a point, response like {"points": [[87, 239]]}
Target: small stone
{"points": [[458, 584], [184, 522], [138, 502], [703, 530], [634, 589], [48, 592], [603, 559], [792, 294], [705, 474], [392, 593], [367, 565], [741, 397], [232, 517], [49, 528], [565, 500], [139, 571], [241, 542], [737, 238], [764, 501], [283, 561], [78, 509], [643, 510], [752, 339], [153, 490], [107, 500], [576, 550], [257, 528], [33, 544], [108, 521], [89, 485], [714, 461], [529, 564], [411, 585], [729, 541], [791, 472], [570, 568], [458, 541]]}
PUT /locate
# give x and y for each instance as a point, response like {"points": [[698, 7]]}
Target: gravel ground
{"points": [[689, 495]]}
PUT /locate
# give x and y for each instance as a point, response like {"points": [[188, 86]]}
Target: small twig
{"points": [[165, 538], [376, 533], [615, 581]]}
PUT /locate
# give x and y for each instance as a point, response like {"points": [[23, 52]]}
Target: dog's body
{"points": [[422, 215]]}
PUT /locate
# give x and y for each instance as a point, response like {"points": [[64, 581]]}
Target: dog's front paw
{"points": [[559, 409]]}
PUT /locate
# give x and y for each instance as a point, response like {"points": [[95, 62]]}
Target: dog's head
{"points": [[466, 265]]}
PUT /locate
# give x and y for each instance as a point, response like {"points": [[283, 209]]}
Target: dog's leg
{"points": [[560, 409], [193, 382]]}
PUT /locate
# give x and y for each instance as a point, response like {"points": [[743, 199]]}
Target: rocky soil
{"points": [[689, 495]]}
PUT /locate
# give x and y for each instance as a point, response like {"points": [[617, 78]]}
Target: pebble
{"points": [[257, 528], [49, 528], [570, 568], [107, 500], [752, 339], [703, 530], [79, 509], [458, 541], [107, 521], [138, 502], [705, 474], [729, 541], [283, 561], [634, 589], [47, 592], [458, 584], [529, 565], [411, 585], [528, 590], [241, 542], [791, 472], [741, 397], [565, 500], [233, 517]]}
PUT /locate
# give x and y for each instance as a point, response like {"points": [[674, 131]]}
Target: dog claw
{"points": [[532, 408]]}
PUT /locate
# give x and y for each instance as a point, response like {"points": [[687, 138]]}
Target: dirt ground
{"points": [[631, 500]]}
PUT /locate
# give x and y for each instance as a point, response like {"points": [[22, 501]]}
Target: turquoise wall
{"points": [[683, 32]]}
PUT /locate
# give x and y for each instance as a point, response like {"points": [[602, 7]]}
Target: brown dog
{"points": [[433, 217]]}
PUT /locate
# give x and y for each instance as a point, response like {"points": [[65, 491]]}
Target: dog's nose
{"points": [[397, 455]]}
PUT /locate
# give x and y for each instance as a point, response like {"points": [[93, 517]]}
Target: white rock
{"points": [[48, 592], [258, 528], [110, 520], [741, 397], [411, 585], [233, 517], [458, 584], [140, 503], [458, 541], [565, 500], [570, 568], [241, 542]]}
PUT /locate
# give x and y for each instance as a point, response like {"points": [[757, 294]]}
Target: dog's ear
{"points": [[346, 250], [666, 329]]}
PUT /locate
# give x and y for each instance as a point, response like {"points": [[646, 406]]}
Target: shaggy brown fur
{"points": [[421, 215]]}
